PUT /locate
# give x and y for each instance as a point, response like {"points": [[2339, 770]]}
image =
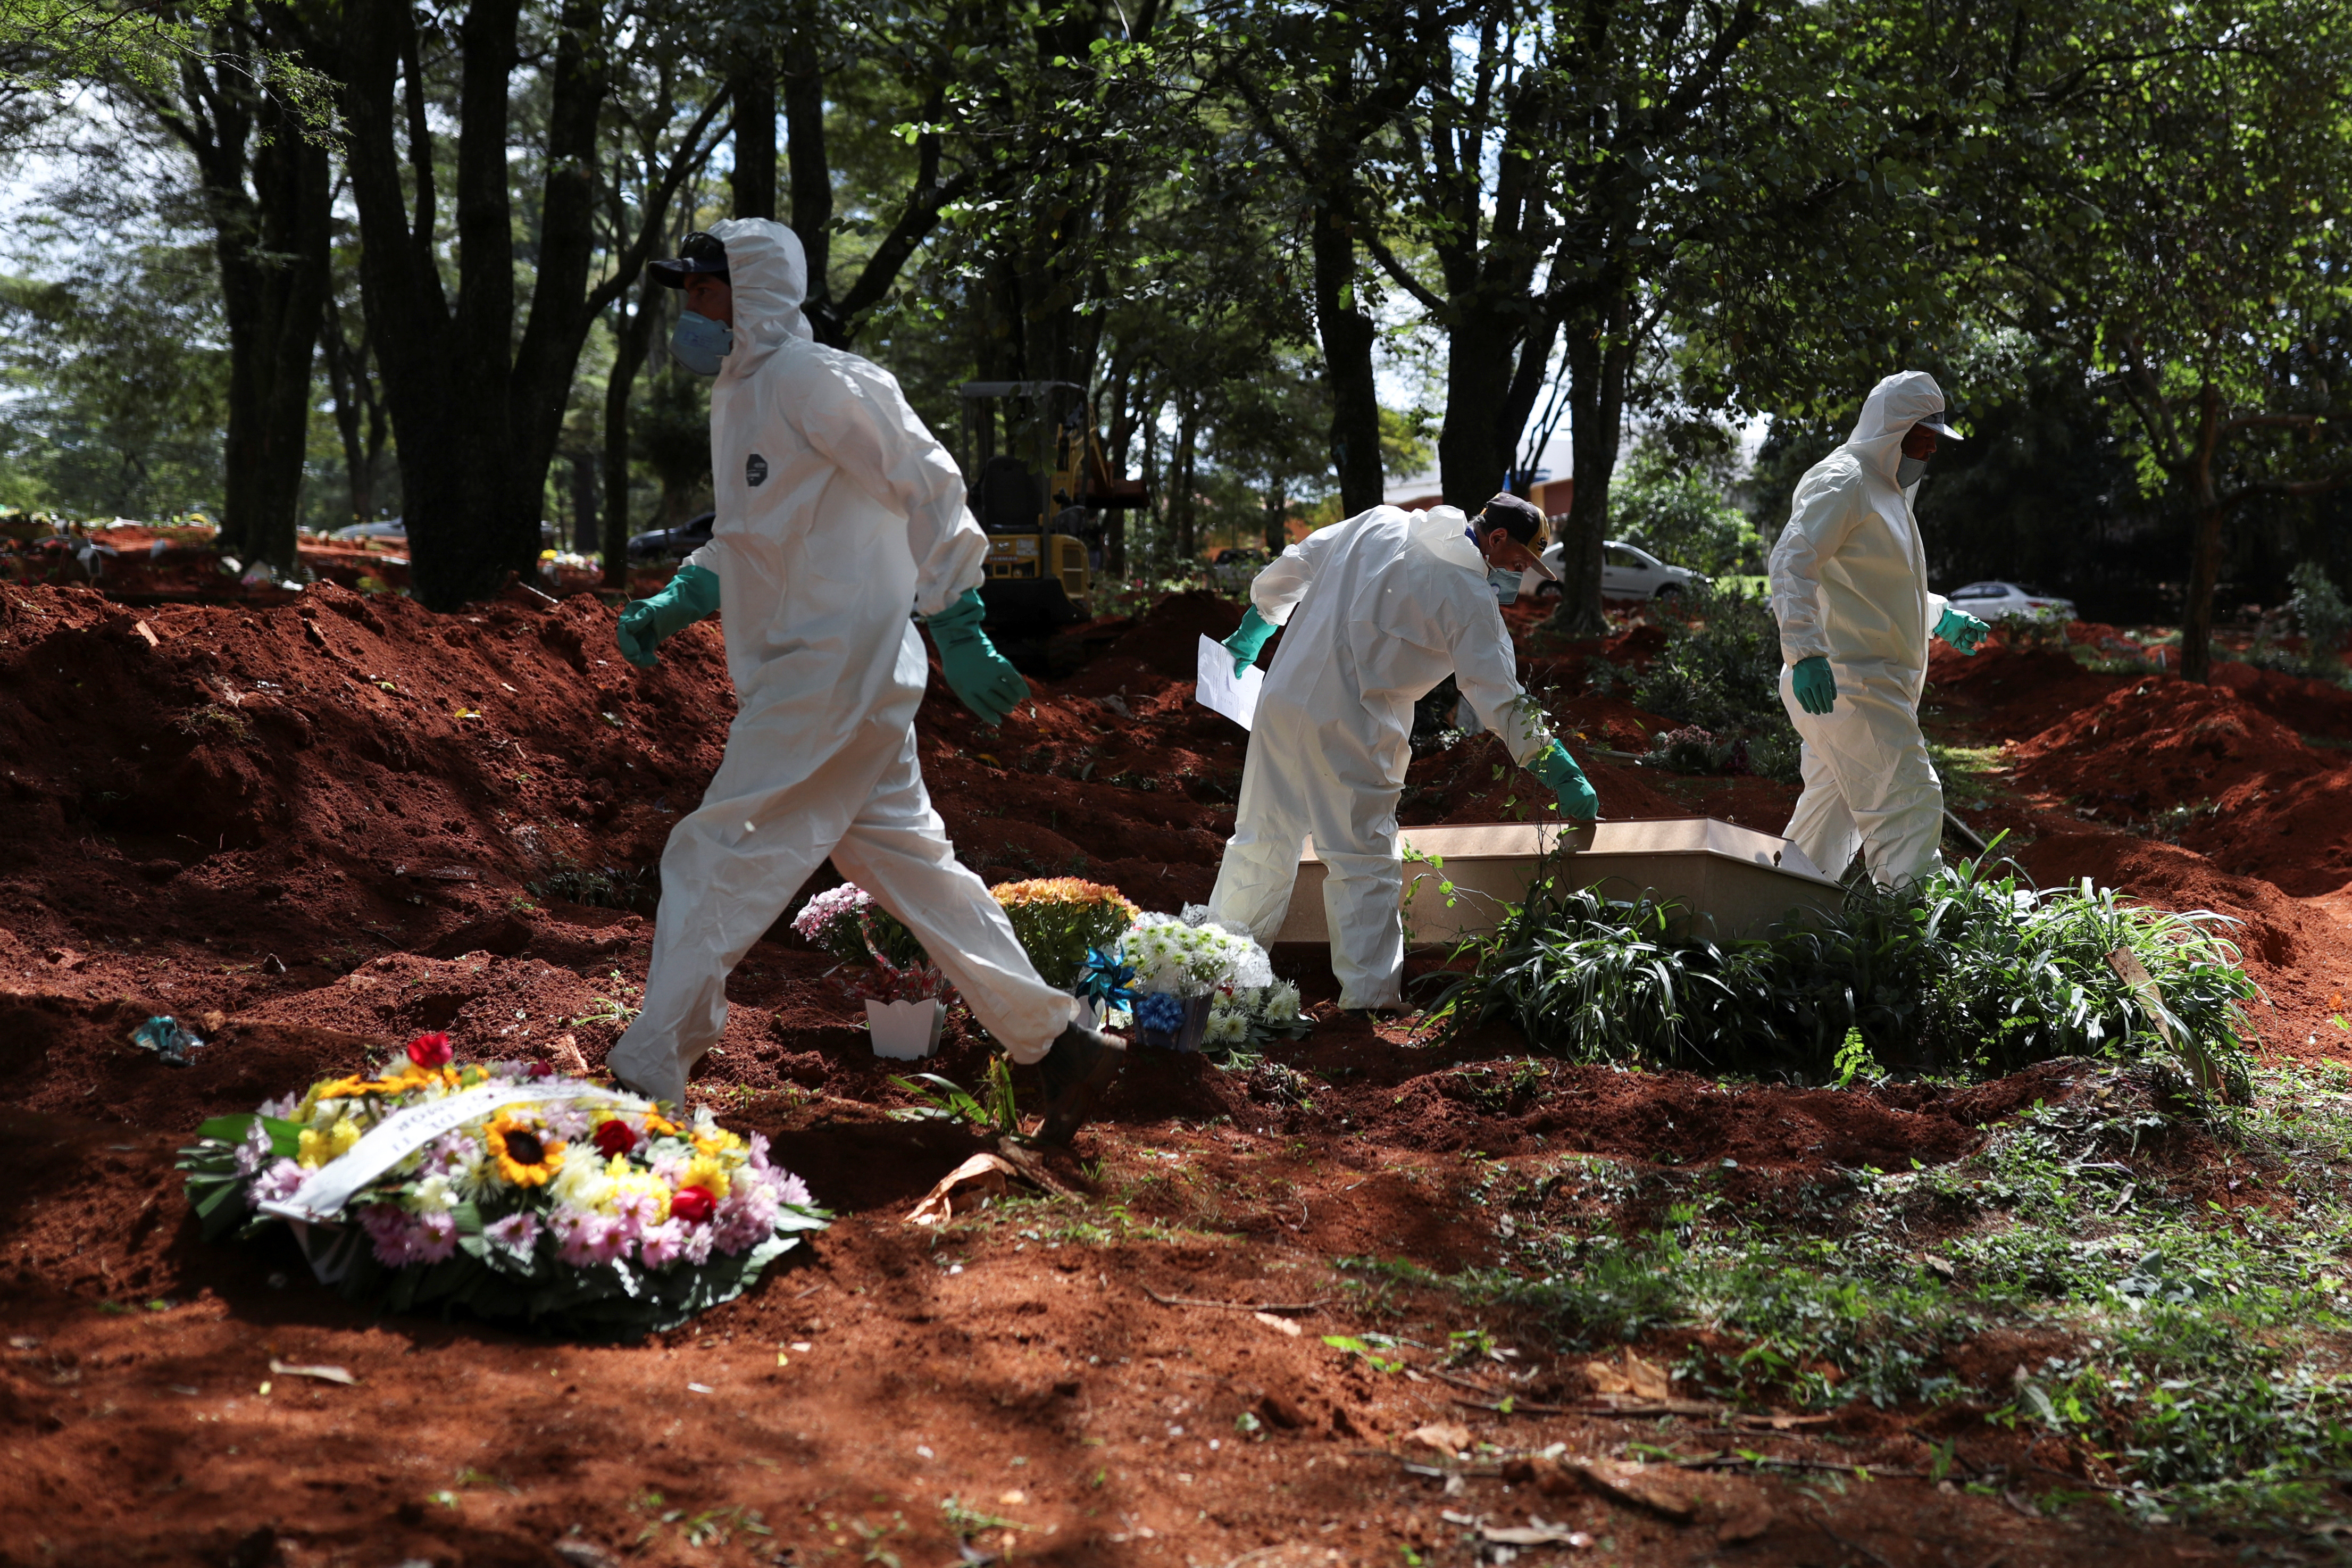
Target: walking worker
{"points": [[1380, 609], [1849, 583], [838, 514]]}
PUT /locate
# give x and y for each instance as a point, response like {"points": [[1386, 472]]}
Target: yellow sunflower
{"points": [[524, 1155]]}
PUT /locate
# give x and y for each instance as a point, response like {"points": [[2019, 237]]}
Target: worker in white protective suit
{"points": [[1380, 609], [1849, 583], [838, 514]]}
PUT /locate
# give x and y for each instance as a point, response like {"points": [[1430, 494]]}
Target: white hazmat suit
{"points": [[1849, 583], [837, 514], [1387, 605]]}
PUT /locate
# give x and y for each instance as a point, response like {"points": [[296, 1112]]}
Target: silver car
{"points": [[2000, 601], [1627, 571], [390, 528]]}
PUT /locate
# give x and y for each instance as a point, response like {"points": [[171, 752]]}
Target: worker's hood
{"points": [[1445, 532], [1893, 406], [768, 272]]}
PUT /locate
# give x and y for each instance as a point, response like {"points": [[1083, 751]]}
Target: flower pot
{"points": [[1188, 1036], [905, 1031]]}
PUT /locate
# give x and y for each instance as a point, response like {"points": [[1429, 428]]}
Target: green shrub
{"points": [[2322, 615], [1969, 972], [1720, 672], [1677, 514]]}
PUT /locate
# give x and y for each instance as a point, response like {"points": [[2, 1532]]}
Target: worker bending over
{"points": [[1849, 581], [1380, 609], [837, 514]]}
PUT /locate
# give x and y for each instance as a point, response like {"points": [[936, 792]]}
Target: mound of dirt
{"points": [[299, 775], [2161, 742], [2013, 693], [2304, 705]]}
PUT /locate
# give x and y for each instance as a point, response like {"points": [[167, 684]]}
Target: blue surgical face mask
{"points": [[1907, 472], [701, 343], [1505, 581]]}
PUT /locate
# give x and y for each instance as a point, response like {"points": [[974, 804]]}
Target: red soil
{"points": [[313, 830]]}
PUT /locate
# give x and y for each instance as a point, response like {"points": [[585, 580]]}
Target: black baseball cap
{"points": [[1522, 520], [699, 252]]}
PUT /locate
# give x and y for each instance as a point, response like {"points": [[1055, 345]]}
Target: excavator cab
{"points": [[1039, 488]]}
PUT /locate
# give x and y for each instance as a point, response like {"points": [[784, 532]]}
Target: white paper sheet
{"points": [[1217, 689]]}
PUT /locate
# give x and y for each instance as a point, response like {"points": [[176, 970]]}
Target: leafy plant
{"points": [[1720, 673], [2323, 616], [1968, 972], [1678, 513], [994, 1111], [602, 887]]}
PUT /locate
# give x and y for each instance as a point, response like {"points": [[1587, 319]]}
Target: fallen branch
{"points": [[1236, 1306]]}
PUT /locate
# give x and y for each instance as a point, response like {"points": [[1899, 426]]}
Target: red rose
{"points": [[539, 1069], [693, 1205], [614, 1138], [430, 1051]]}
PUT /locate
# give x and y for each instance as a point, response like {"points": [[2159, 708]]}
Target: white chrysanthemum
{"points": [[433, 1196], [1281, 1005], [581, 1184], [1226, 1028]]}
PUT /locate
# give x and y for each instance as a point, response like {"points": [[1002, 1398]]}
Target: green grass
{"points": [[1970, 773], [2201, 1347]]}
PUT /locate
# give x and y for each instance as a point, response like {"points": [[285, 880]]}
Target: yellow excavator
{"points": [[1040, 486]]}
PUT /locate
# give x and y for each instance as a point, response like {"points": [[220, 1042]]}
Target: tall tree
{"points": [[265, 182], [1304, 75], [2169, 201], [478, 384]]}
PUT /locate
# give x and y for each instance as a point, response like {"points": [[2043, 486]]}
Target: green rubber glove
{"points": [[1815, 687], [982, 678], [1560, 774], [1961, 629], [1252, 636], [646, 623]]}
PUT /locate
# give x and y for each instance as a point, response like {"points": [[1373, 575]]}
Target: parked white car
{"points": [[1999, 601], [1627, 571], [389, 528]]}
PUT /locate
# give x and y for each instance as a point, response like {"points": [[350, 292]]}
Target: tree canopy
{"points": [[1260, 241]]}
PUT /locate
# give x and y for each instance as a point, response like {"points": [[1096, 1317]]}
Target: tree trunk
{"points": [[285, 268], [1470, 460], [359, 417], [585, 509], [2205, 562], [812, 175], [754, 181], [271, 240], [1179, 477], [476, 407], [630, 341], [1598, 363], [1348, 335], [1277, 524]]}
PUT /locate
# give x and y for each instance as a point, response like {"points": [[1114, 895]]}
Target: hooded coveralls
{"points": [[1849, 582], [837, 514], [1387, 605]]}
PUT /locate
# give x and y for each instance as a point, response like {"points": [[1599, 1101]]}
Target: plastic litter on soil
{"points": [[307, 829]]}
